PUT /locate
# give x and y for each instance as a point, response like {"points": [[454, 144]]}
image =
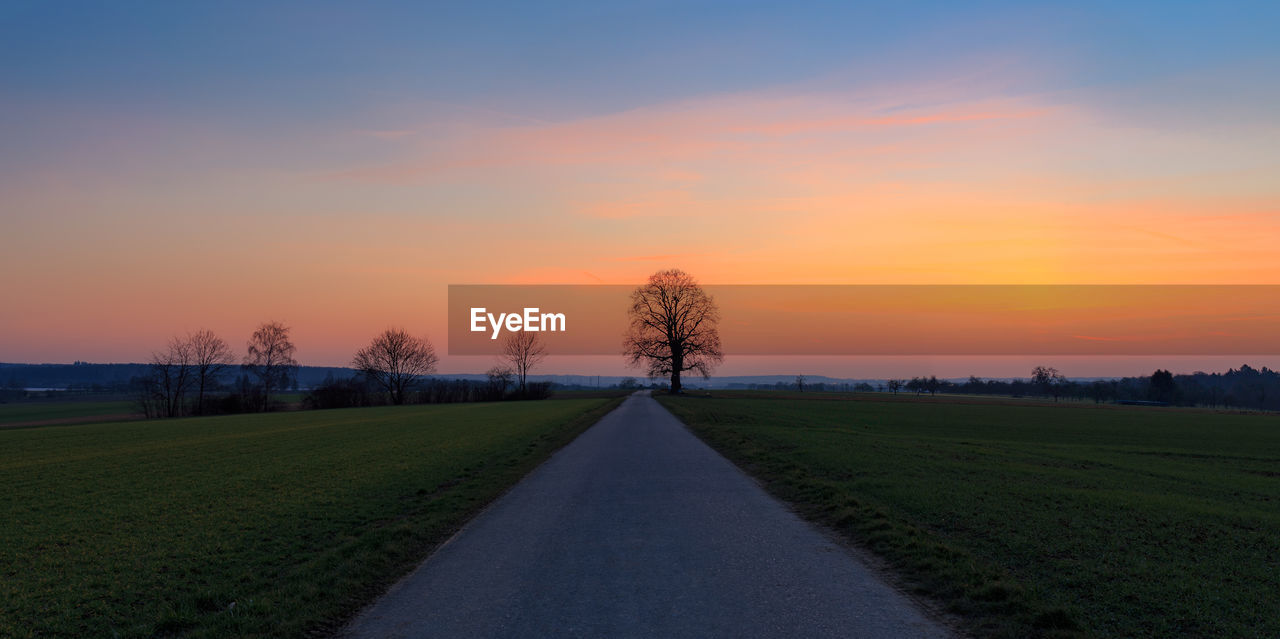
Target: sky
{"points": [[171, 166]]}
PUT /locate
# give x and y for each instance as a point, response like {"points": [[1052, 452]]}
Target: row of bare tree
{"points": [[673, 329], [394, 361], [192, 365]]}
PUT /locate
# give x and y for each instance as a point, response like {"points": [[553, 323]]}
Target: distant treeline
{"points": [[356, 391], [1245, 387], [116, 378], [235, 392], [348, 390]]}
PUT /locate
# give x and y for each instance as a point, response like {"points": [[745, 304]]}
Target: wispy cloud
{"points": [[762, 128]]}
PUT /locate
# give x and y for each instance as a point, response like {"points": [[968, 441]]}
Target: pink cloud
{"points": [[730, 129]]}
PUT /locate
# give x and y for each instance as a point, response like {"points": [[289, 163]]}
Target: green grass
{"points": [[144, 529], [1034, 520], [49, 410]]}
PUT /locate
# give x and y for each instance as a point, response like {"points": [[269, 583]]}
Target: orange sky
{"points": [[989, 168]]}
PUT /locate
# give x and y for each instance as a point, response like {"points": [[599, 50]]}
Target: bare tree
{"points": [[395, 360], [932, 384], [269, 358], [499, 380], [521, 352], [895, 385], [917, 385], [170, 377], [1049, 380], [210, 356], [673, 327]]}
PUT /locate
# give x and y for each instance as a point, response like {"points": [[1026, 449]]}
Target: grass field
{"points": [[52, 411], [1033, 520], [274, 525]]}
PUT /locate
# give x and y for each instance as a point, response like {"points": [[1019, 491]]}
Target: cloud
{"points": [[761, 128]]}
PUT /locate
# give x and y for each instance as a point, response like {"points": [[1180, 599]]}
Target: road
{"points": [[638, 529]]}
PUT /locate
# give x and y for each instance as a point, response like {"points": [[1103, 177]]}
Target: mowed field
{"points": [[1032, 520], [271, 525]]}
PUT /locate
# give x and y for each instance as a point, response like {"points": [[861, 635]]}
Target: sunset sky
{"points": [[171, 166]]}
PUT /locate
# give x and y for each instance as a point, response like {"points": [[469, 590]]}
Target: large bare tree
{"points": [[210, 356], [395, 360], [269, 357], [673, 327], [521, 352]]}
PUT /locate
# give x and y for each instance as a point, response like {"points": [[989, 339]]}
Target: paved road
{"points": [[638, 529]]}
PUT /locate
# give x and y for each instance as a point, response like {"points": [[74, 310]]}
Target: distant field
{"points": [[66, 411], [590, 394], [274, 525], [1034, 519]]}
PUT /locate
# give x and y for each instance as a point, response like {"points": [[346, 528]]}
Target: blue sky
{"points": [[566, 59]]}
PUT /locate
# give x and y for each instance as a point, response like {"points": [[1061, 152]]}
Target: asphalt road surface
{"points": [[638, 529]]}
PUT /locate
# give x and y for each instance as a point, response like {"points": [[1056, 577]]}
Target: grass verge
{"points": [[275, 525], [1051, 521]]}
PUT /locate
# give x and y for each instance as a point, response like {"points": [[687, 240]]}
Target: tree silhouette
{"points": [[1163, 388], [209, 357], [170, 377], [394, 360], [673, 327], [1048, 380], [522, 351], [270, 359], [499, 380]]}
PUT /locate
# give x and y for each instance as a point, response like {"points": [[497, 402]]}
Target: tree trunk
{"points": [[677, 365], [200, 397]]}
